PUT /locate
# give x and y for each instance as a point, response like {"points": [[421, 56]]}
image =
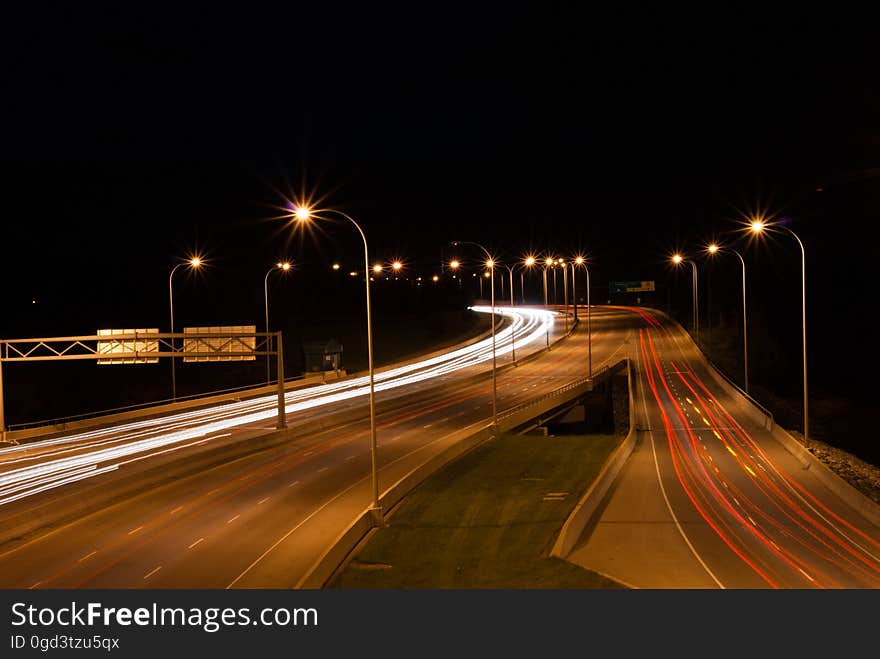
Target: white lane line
{"points": [[214, 491], [262, 501], [176, 510], [87, 556], [351, 457], [428, 425], [133, 531], [151, 573], [35, 585], [307, 452], [229, 521], [663, 488], [322, 469], [195, 543], [293, 483]]}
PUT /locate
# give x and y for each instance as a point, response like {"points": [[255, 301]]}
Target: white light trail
{"points": [[78, 456]]}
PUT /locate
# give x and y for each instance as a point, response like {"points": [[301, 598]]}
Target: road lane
{"points": [[254, 518], [726, 505]]}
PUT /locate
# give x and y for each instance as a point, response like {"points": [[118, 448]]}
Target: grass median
{"points": [[488, 520]]}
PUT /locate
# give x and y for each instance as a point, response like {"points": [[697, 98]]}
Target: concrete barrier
{"points": [[588, 505]]}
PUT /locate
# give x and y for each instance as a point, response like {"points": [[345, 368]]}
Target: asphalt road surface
{"points": [[216, 498], [709, 499]]}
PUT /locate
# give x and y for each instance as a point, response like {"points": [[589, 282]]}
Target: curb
{"points": [[589, 503]]}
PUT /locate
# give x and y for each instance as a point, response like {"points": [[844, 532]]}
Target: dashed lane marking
{"points": [[151, 573]]}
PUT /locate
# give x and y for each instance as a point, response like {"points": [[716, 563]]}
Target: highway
{"points": [[216, 498], [709, 499]]}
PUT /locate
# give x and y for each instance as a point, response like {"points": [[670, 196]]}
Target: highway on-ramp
{"points": [[710, 498]]}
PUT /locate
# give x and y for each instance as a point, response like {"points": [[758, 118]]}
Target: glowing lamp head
{"points": [[302, 213], [486, 274], [548, 261], [377, 268], [435, 278], [284, 265], [758, 226], [335, 266], [579, 260], [530, 261], [713, 248], [454, 264], [195, 261], [678, 258], [397, 265], [490, 263]]}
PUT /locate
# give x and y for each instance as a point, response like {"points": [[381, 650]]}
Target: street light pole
{"points": [[581, 261], [194, 262], [757, 226], [302, 213], [490, 263], [513, 325], [803, 331], [564, 293], [713, 249], [285, 266], [677, 259]]}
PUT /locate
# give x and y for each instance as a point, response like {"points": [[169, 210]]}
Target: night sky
{"points": [[132, 136]]}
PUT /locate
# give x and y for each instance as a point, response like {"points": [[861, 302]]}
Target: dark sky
{"points": [[130, 135]]}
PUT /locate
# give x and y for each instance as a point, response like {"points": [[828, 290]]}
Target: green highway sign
{"points": [[630, 286]]}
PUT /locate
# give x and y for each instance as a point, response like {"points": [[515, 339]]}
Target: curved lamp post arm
{"points": [[745, 324], [375, 477], [803, 328]]}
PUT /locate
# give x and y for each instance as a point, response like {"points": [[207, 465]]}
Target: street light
{"points": [[513, 326], [561, 262], [757, 227], [304, 214], [677, 260], [284, 266], [580, 261], [548, 263], [528, 263], [489, 264], [194, 263], [715, 249]]}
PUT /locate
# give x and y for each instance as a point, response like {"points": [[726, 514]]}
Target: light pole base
{"points": [[281, 425], [377, 517]]}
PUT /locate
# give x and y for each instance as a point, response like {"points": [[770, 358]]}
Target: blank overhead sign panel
{"points": [[219, 345], [630, 286], [132, 347]]}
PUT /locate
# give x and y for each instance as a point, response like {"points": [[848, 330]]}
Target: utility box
{"points": [[322, 356]]}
